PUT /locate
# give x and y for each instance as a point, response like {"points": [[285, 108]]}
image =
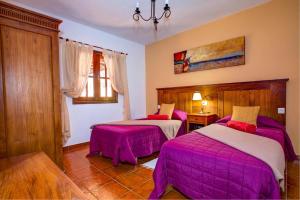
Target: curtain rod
{"points": [[67, 39]]}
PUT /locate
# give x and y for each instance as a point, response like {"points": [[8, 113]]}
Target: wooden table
{"points": [[35, 176], [203, 119]]}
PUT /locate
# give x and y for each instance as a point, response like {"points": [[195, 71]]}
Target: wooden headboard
{"points": [[268, 94]]}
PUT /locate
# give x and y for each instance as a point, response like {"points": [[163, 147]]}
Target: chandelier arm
{"points": [[161, 15], [145, 19], [139, 14], [136, 17], [168, 13]]}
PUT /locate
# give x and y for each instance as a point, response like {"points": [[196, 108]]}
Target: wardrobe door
{"points": [[28, 92]]}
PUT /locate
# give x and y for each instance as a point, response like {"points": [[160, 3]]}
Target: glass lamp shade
{"points": [[197, 96]]}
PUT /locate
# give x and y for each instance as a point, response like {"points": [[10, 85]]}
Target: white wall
{"points": [[84, 115]]}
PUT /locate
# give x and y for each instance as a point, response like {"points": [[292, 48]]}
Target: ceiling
{"points": [[115, 16]]}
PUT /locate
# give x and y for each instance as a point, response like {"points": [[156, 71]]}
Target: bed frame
{"points": [[268, 94]]}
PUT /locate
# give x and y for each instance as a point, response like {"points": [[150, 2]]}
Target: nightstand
{"points": [[203, 119]]}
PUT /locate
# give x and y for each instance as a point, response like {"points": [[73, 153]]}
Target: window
{"points": [[98, 88]]}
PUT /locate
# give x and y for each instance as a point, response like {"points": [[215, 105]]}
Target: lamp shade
{"points": [[197, 96]]}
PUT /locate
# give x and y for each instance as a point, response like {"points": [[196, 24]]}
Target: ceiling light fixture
{"points": [[167, 12]]}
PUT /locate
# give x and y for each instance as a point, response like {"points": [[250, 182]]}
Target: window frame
{"points": [[97, 99]]}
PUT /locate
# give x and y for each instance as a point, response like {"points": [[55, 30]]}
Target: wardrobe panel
{"points": [[28, 92], [2, 110]]}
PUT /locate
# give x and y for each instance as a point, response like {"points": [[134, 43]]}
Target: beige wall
{"points": [[272, 40]]}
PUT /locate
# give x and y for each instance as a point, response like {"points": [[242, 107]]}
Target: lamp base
{"points": [[201, 112]]}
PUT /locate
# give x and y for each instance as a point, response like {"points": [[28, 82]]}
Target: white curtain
{"points": [[117, 71], [76, 60]]}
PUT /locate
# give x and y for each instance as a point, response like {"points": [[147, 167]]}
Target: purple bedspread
{"points": [[126, 143], [203, 168]]}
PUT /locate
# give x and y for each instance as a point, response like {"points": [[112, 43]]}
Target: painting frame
{"points": [[227, 53]]}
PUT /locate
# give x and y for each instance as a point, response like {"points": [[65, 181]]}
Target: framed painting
{"points": [[227, 53]]}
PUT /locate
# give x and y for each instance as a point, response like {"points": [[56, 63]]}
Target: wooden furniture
{"points": [[35, 176], [269, 95], [29, 83], [203, 119]]}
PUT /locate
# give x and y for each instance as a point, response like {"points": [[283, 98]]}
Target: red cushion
{"points": [[158, 117], [242, 126]]}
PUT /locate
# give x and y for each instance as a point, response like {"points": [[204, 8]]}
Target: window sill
{"points": [[94, 101]]}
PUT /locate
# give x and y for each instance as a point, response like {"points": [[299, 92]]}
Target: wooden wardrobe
{"points": [[30, 119]]}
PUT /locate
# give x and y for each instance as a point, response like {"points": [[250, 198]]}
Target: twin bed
{"points": [[215, 161], [138, 138], [203, 167]]}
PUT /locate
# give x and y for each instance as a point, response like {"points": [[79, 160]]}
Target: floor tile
{"points": [[119, 170], [90, 196], [100, 162], [76, 164], [82, 152], [111, 190], [93, 182], [131, 195], [79, 184], [145, 189], [71, 175], [142, 171], [131, 180], [87, 172], [173, 194]]}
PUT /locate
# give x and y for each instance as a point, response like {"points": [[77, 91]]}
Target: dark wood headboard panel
{"points": [[269, 95]]}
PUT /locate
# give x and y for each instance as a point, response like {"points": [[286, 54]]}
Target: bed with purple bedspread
{"points": [[125, 143], [204, 168]]}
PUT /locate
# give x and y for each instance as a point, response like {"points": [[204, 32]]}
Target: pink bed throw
{"points": [[125, 143]]}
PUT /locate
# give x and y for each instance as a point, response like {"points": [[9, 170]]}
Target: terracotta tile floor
{"points": [[99, 179]]}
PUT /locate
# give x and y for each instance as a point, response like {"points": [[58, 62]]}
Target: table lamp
{"points": [[197, 97]]}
